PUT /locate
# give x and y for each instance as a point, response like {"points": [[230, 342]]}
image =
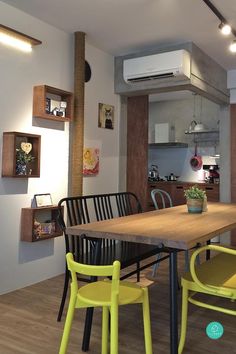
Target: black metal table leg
{"points": [[173, 302], [208, 252]]}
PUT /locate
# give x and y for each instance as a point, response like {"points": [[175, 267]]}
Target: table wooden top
{"points": [[174, 227]]}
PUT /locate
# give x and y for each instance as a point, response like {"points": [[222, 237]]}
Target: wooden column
{"points": [[233, 162], [137, 147], [77, 127]]}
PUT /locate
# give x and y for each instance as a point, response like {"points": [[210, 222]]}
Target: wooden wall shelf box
{"points": [[42, 93], [45, 218], [11, 142]]}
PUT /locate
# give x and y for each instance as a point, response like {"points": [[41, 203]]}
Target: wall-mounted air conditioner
{"points": [[157, 66]]}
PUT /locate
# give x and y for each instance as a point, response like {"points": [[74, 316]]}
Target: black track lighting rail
{"points": [[218, 14]]}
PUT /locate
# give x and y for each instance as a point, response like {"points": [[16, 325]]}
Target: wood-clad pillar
{"points": [[137, 147], [77, 126], [233, 162]]}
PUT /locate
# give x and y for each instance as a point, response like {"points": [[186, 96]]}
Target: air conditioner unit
{"points": [[157, 66]]}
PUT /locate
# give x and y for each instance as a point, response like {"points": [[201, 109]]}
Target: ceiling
{"points": [[122, 27]]}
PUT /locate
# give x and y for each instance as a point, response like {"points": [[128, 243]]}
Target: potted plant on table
{"points": [[196, 199]]}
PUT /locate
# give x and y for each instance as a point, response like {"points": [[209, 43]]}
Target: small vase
{"points": [[204, 205], [195, 206], [21, 170]]}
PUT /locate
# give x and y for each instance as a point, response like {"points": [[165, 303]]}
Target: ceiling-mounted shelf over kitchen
{"points": [[168, 145], [202, 132], [202, 136]]}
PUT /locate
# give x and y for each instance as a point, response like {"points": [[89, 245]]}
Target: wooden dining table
{"points": [[175, 228]]}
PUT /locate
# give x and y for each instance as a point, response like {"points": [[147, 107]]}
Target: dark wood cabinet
{"points": [[176, 191]]}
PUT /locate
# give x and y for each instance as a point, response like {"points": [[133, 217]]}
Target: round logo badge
{"points": [[214, 330]]}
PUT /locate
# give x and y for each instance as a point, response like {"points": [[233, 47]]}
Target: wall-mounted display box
{"points": [[39, 224], [21, 155], [52, 103]]}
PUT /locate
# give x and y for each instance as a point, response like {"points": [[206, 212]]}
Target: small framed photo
{"points": [[42, 200], [105, 116], [48, 105]]}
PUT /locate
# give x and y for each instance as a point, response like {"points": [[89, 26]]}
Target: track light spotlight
{"points": [[232, 46], [225, 28]]}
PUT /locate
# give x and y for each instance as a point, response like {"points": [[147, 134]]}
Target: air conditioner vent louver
{"points": [[151, 77], [175, 64]]}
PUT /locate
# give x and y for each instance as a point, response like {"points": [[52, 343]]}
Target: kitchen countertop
{"points": [[183, 182]]}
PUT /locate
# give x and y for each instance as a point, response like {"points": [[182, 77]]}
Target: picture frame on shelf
{"points": [[43, 200], [48, 105]]}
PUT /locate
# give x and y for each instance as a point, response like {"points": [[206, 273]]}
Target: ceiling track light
{"points": [[13, 38], [232, 46], [225, 28]]}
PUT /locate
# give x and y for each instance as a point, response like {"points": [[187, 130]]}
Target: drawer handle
{"points": [[179, 187], [152, 186], [209, 188]]}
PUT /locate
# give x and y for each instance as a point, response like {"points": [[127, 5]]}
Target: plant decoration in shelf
{"points": [[42, 229], [23, 159], [196, 200]]}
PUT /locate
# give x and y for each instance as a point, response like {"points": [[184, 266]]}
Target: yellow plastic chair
{"points": [[108, 294], [216, 277]]}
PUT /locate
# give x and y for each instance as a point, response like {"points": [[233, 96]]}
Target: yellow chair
{"points": [[216, 276], [108, 294]]}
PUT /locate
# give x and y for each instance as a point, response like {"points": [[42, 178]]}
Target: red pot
{"points": [[196, 161]]}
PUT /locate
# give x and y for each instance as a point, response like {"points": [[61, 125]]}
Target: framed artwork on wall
{"points": [[105, 116], [90, 161]]}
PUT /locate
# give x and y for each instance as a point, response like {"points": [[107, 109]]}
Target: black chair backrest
{"points": [[89, 208]]}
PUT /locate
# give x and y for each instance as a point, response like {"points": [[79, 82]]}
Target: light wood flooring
{"points": [[28, 322]]}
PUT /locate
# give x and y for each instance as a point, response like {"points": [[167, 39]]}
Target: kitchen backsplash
{"points": [[176, 161]]}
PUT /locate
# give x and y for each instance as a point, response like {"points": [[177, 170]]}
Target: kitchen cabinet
{"points": [[176, 191]]}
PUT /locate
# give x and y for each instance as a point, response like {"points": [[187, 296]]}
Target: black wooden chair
{"points": [[86, 209]]}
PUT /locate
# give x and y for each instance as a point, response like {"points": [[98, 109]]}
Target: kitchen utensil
{"points": [[171, 177], [153, 172], [199, 127], [196, 160]]}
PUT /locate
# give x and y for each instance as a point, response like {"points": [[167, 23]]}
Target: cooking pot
{"points": [[171, 177], [196, 161]]}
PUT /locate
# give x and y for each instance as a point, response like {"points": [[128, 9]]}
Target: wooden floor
{"points": [[28, 323]]}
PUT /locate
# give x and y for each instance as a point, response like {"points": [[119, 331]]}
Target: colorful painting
{"points": [[90, 161], [105, 116]]}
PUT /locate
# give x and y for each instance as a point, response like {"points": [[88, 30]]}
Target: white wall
{"points": [[100, 89], [51, 63]]}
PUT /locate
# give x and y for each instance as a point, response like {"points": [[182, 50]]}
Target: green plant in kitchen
{"points": [[195, 199], [23, 158]]}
